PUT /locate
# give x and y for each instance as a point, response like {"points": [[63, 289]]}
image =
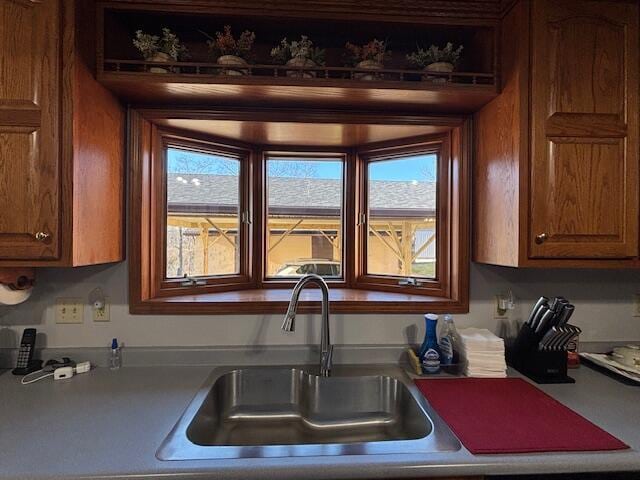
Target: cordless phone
{"points": [[26, 364]]}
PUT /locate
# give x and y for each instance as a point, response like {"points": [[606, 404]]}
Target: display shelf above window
{"points": [[336, 79]]}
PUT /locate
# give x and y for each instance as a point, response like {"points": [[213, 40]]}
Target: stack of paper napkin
{"points": [[483, 353]]}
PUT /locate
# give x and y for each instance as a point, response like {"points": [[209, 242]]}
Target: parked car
{"points": [[324, 268]]}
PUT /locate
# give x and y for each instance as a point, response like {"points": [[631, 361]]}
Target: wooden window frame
{"points": [[162, 140], [250, 293], [439, 145], [346, 214]]}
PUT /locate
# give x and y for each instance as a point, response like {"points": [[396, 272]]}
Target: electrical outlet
{"points": [[500, 312], [636, 305], [69, 310], [102, 314], [504, 303]]}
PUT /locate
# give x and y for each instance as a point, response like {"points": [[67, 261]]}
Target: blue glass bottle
{"points": [[429, 353]]}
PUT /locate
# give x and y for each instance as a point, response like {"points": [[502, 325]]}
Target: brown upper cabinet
{"points": [[29, 130], [61, 141], [556, 166]]}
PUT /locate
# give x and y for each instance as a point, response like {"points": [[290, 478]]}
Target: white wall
{"points": [[603, 299]]}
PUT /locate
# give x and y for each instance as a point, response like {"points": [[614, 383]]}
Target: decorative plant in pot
{"points": [[436, 59], [298, 53], [165, 48], [232, 52], [370, 56]]}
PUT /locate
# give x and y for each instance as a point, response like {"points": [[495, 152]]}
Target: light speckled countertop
{"points": [[109, 425]]}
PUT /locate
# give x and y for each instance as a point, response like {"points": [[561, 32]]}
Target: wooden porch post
{"points": [[204, 232]]}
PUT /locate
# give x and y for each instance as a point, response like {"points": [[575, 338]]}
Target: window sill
{"points": [[343, 300]]}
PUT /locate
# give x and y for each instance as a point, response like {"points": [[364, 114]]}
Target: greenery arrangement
{"points": [[169, 44], [301, 52], [302, 49], [374, 51], [434, 54], [224, 43]]}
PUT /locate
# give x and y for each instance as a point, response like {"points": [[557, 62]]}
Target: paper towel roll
{"points": [[9, 296]]}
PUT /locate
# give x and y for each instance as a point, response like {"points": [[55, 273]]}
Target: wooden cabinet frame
{"points": [[250, 292], [517, 136], [63, 141], [30, 132]]}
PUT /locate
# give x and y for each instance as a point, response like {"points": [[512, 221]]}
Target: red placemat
{"points": [[509, 415]]}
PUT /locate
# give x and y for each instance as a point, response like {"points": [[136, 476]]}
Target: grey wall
{"points": [[603, 299]]}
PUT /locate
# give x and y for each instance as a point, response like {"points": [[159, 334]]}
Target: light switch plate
{"points": [[69, 310]]}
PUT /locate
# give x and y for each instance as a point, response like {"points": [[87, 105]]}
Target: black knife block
{"points": [[541, 366]]}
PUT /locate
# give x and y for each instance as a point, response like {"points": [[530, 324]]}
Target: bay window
{"points": [[225, 221]]}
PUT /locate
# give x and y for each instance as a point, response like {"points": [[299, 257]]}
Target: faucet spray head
{"points": [[289, 323]]}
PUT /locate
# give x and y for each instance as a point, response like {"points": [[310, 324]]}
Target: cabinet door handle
{"points": [[42, 236], [540, 239]]}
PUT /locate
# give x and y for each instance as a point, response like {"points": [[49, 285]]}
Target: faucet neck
{"points": [[326, 350]]}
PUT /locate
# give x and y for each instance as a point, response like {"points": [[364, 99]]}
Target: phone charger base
{"points": [[34, 366]]}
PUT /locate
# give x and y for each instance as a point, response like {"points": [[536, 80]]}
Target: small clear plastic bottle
{"points": [[115, 355], [449, 342]]}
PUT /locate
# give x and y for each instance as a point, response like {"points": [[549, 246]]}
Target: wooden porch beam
{"points": [[389, 246], [424, 246], [332, 242], [285, 235], [391, 230], [222, 232]]}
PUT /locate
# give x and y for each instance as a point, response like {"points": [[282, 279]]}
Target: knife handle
{"points": [[541, 326], [565, 314], [538, 317], [534, 311]]}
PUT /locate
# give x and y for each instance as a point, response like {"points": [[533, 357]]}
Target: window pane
{"points": [[402, 216], [203, 205], [304, 231]]}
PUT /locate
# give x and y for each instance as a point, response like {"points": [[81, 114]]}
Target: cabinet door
{"points": [[29, 129], [584, 107]]}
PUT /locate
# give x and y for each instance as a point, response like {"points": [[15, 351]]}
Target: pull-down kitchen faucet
{"points": [[326, 349]]}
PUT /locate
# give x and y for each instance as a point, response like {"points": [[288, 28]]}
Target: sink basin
{"points": [[290, 407], [277, 412]]}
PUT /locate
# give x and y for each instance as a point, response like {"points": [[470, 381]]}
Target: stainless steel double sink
{"points": [[289, 412]]}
